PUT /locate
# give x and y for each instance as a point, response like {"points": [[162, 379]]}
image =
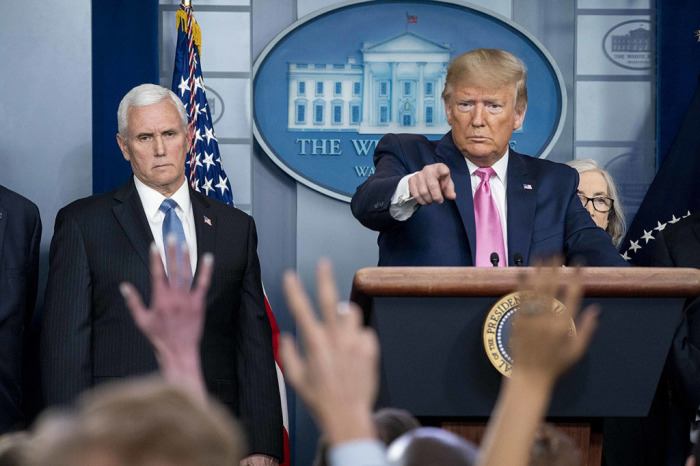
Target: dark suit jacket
{"points": [[89, 337], [20, 239], [545, 217], [678, 245]]}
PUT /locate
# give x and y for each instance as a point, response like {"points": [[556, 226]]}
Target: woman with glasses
{"points": [[598, 194]]}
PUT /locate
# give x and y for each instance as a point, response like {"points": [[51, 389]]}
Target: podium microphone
{"points": [[494, 259], [518, 259]]}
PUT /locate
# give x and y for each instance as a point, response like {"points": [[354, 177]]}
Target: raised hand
{"points": [[338, 375], [541, 342], [175, 321]]}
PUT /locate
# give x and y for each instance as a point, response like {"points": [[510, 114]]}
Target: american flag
{"points": [[411, 18], [204, 169]]}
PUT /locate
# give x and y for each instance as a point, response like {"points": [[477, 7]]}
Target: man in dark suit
{"points": [[678, 245], [88, 336], [20, 238], [421, 197]]}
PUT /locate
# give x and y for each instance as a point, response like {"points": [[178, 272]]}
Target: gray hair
{"points": [[616, 222], [144, 95]]}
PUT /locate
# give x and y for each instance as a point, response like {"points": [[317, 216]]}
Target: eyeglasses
{"points": [[601, 204]]}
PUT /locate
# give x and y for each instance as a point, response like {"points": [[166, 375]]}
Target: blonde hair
{"points": [[139, 422], [490, 69]]}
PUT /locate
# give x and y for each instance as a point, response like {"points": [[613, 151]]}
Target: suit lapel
{"points": [[447, 153], [130, 215], [3, 223], [521, 199], [205, 223]]}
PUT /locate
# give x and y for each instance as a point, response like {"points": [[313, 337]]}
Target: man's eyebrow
{"points": [[143, 134]]}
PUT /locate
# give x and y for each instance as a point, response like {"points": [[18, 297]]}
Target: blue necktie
{"points": [[173, 226]]}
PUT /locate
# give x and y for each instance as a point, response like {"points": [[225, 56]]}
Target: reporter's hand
{"points": [[338, 375], [432, 184], [175, 321], [541, 342]]}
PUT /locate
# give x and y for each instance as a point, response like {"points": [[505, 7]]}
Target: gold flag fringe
{"points": [[196, 33]]}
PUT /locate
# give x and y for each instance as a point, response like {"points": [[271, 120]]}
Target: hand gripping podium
{"points": [[430, 319]]}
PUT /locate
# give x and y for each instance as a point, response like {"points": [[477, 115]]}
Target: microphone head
{"points": [[494, 259], [518, 258]]}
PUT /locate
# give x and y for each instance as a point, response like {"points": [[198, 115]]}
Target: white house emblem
{"points": [[348, 75]]}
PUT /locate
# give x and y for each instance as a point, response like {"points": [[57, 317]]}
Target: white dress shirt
{"points": [[151, 201], [403, 205]]}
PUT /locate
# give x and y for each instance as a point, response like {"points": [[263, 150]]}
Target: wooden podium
{"points": [[429, 321]]}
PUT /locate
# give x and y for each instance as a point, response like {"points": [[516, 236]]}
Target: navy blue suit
{"points": [[545, 217], [20, 238]]}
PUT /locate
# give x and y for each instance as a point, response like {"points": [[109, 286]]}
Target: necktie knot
{"points": [[485, 173], [167, 205]]}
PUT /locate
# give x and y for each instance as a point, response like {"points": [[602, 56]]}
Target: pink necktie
{"points": [[489, 233]]}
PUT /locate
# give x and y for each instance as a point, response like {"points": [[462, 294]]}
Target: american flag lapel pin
{"points": [[207, 221], [527, 186], [0, 215]]}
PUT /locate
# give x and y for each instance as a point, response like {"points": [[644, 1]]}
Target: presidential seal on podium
{"points": [[498, 327]]}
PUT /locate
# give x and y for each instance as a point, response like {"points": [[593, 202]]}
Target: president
{"points": [[468, 199]]}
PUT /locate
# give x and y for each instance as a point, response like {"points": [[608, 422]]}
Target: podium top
{"points": [[472, 281]]}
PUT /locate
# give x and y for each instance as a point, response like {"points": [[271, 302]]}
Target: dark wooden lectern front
{"points": [[429, 322]]}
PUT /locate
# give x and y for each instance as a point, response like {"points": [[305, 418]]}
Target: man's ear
{"points": [[189, 131], [124, 148], [519, 118]]}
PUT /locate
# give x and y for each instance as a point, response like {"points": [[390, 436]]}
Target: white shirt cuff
{"points": [[402, 204], [362, 452]]}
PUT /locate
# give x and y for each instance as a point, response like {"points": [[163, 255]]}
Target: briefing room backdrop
{"points": [[67, 64]]}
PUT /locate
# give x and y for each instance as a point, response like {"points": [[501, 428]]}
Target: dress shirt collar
{"points": [[500, 167], [152, 199]]}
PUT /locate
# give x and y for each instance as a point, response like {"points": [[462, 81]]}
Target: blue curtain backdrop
{"points": [[124, 54], [678, 62]]}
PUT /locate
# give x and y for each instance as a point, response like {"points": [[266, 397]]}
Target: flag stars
{"points": [[634, 245], [647, 236], [687, 215], [209, 160], [222, 184], [198, 135], [198, 84], [183, 86], [673, 220], [207, 185], [197, 163], [209, 134], [659, 226], [625, 256]]}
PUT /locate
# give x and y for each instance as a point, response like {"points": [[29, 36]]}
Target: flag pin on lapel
{"points": [[207, 221], [527, 186], [0, 215]]}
